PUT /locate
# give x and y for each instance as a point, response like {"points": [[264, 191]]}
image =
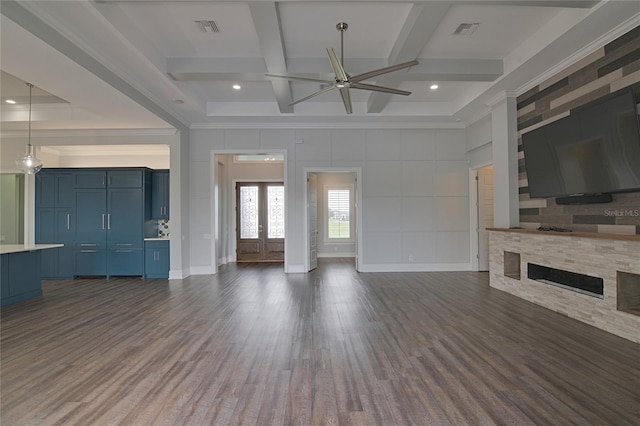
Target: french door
{"points": [[260, 221]]}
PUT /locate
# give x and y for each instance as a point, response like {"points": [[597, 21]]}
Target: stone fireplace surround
{"points": [[611, 257]]}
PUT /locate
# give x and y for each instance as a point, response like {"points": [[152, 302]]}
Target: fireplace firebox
{"points": [[581, 283]]}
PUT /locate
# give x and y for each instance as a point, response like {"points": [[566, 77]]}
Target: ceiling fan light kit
{"points": [[343, 81]]}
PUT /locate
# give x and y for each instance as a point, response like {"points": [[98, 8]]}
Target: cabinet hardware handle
{"points": [[88, 251], [124, 251], [103, 220], [88, 245], [68, 221], [109, 221], [123, 244], [102, 180]]}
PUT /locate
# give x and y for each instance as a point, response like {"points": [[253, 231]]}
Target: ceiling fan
{"points": [[344, 81]]}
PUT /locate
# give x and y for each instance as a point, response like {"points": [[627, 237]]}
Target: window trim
{"points": [[339, 241]]}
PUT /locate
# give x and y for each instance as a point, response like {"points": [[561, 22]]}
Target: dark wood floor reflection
{"points": [[255, 346]]}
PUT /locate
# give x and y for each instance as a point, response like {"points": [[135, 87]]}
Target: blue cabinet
{"points": [[55, 222], [20, 278], [98, 214], [91, 232], [125, 231], [156, 259], [160, 194]]}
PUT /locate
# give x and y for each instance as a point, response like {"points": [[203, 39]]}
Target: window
{"points": [[339, 213]]}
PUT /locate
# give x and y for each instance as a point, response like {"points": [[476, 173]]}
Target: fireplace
{"points": [[585, 284]]}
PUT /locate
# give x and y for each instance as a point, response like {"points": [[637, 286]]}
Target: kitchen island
{"points": [[20, 271]]}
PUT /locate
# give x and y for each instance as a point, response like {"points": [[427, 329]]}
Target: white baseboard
{"points": [[201, 270], [415, 267], [296, 269], [333, 254], [177, 274]]}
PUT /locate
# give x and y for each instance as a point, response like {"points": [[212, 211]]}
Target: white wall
{"points": [[11, 209], [415, 191], [479, 143]]}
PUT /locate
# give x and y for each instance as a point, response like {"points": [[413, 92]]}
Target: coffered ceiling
{"points": [[150, 64]]}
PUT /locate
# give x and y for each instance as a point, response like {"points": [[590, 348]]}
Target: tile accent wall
{"points": [[610, 68], [597, 257]]}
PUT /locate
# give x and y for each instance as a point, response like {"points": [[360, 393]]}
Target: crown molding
{"points": [[585, 51], [329, 125], [79, 133], [501, 97]]}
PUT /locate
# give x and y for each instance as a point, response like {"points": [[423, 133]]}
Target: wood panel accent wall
{"points": [[608, 69]]}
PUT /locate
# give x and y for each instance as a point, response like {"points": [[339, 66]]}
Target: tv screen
{"points": [[594, 150]]}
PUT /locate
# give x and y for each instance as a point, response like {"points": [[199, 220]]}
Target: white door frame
{"points": [[473, 210], [215, 204], [358, 203]]}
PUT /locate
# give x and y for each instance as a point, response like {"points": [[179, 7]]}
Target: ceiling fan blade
{"points": [[314, 94], [341, 75], [291, 77], [376, 88], [380, 71], [346, 99]]}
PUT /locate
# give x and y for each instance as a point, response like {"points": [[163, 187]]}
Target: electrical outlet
{"points": [[410, 258]]}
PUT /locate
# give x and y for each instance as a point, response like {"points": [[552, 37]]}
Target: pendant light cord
{"points": [[29, 133]]}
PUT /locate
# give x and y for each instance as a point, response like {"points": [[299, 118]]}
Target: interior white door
{"points": [[312, 219], [485, 215]]}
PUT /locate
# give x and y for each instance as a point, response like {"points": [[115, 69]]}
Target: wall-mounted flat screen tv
{"points": [[594, 150]]}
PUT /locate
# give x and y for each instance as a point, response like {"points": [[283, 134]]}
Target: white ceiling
{"points": [[124, 63]]}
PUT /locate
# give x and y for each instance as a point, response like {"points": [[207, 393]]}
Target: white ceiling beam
{"points": [[582, 4], [420, 25], [266, 19], [229, 69]]}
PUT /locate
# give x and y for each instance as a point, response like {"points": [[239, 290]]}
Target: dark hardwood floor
{"points": [[255, 346]]}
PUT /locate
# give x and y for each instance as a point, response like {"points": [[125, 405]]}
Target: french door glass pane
{"points": [[249, 212], [275, 211], [338, 213]]}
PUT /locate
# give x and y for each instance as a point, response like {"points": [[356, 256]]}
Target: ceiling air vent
{"points": [[466, 28], [208, 26]]}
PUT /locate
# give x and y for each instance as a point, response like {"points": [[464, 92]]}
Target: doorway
{"points": [[332, 215], [260, 221], [484, 214]]}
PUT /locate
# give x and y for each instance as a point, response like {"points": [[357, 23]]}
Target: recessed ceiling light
{"points": [[433, 87], [237, 87], [10, 101]]}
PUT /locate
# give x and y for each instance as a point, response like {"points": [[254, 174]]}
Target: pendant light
{"points": [[28, 163]]}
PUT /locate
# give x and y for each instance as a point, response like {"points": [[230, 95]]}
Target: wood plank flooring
{"points": [[253, 345]]}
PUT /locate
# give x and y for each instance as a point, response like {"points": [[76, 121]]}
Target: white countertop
{"points": [[16, 248], [156, 239]]}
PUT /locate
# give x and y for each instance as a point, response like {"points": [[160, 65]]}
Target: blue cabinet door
{"points": [[90, 179], [91, 232], [90, 261], [91, 212], [4, 276], [65, 191], [125, 262], [45, 189], [156, 260], [160, 194], [56, 224], [124, 178], [125, 220]]}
